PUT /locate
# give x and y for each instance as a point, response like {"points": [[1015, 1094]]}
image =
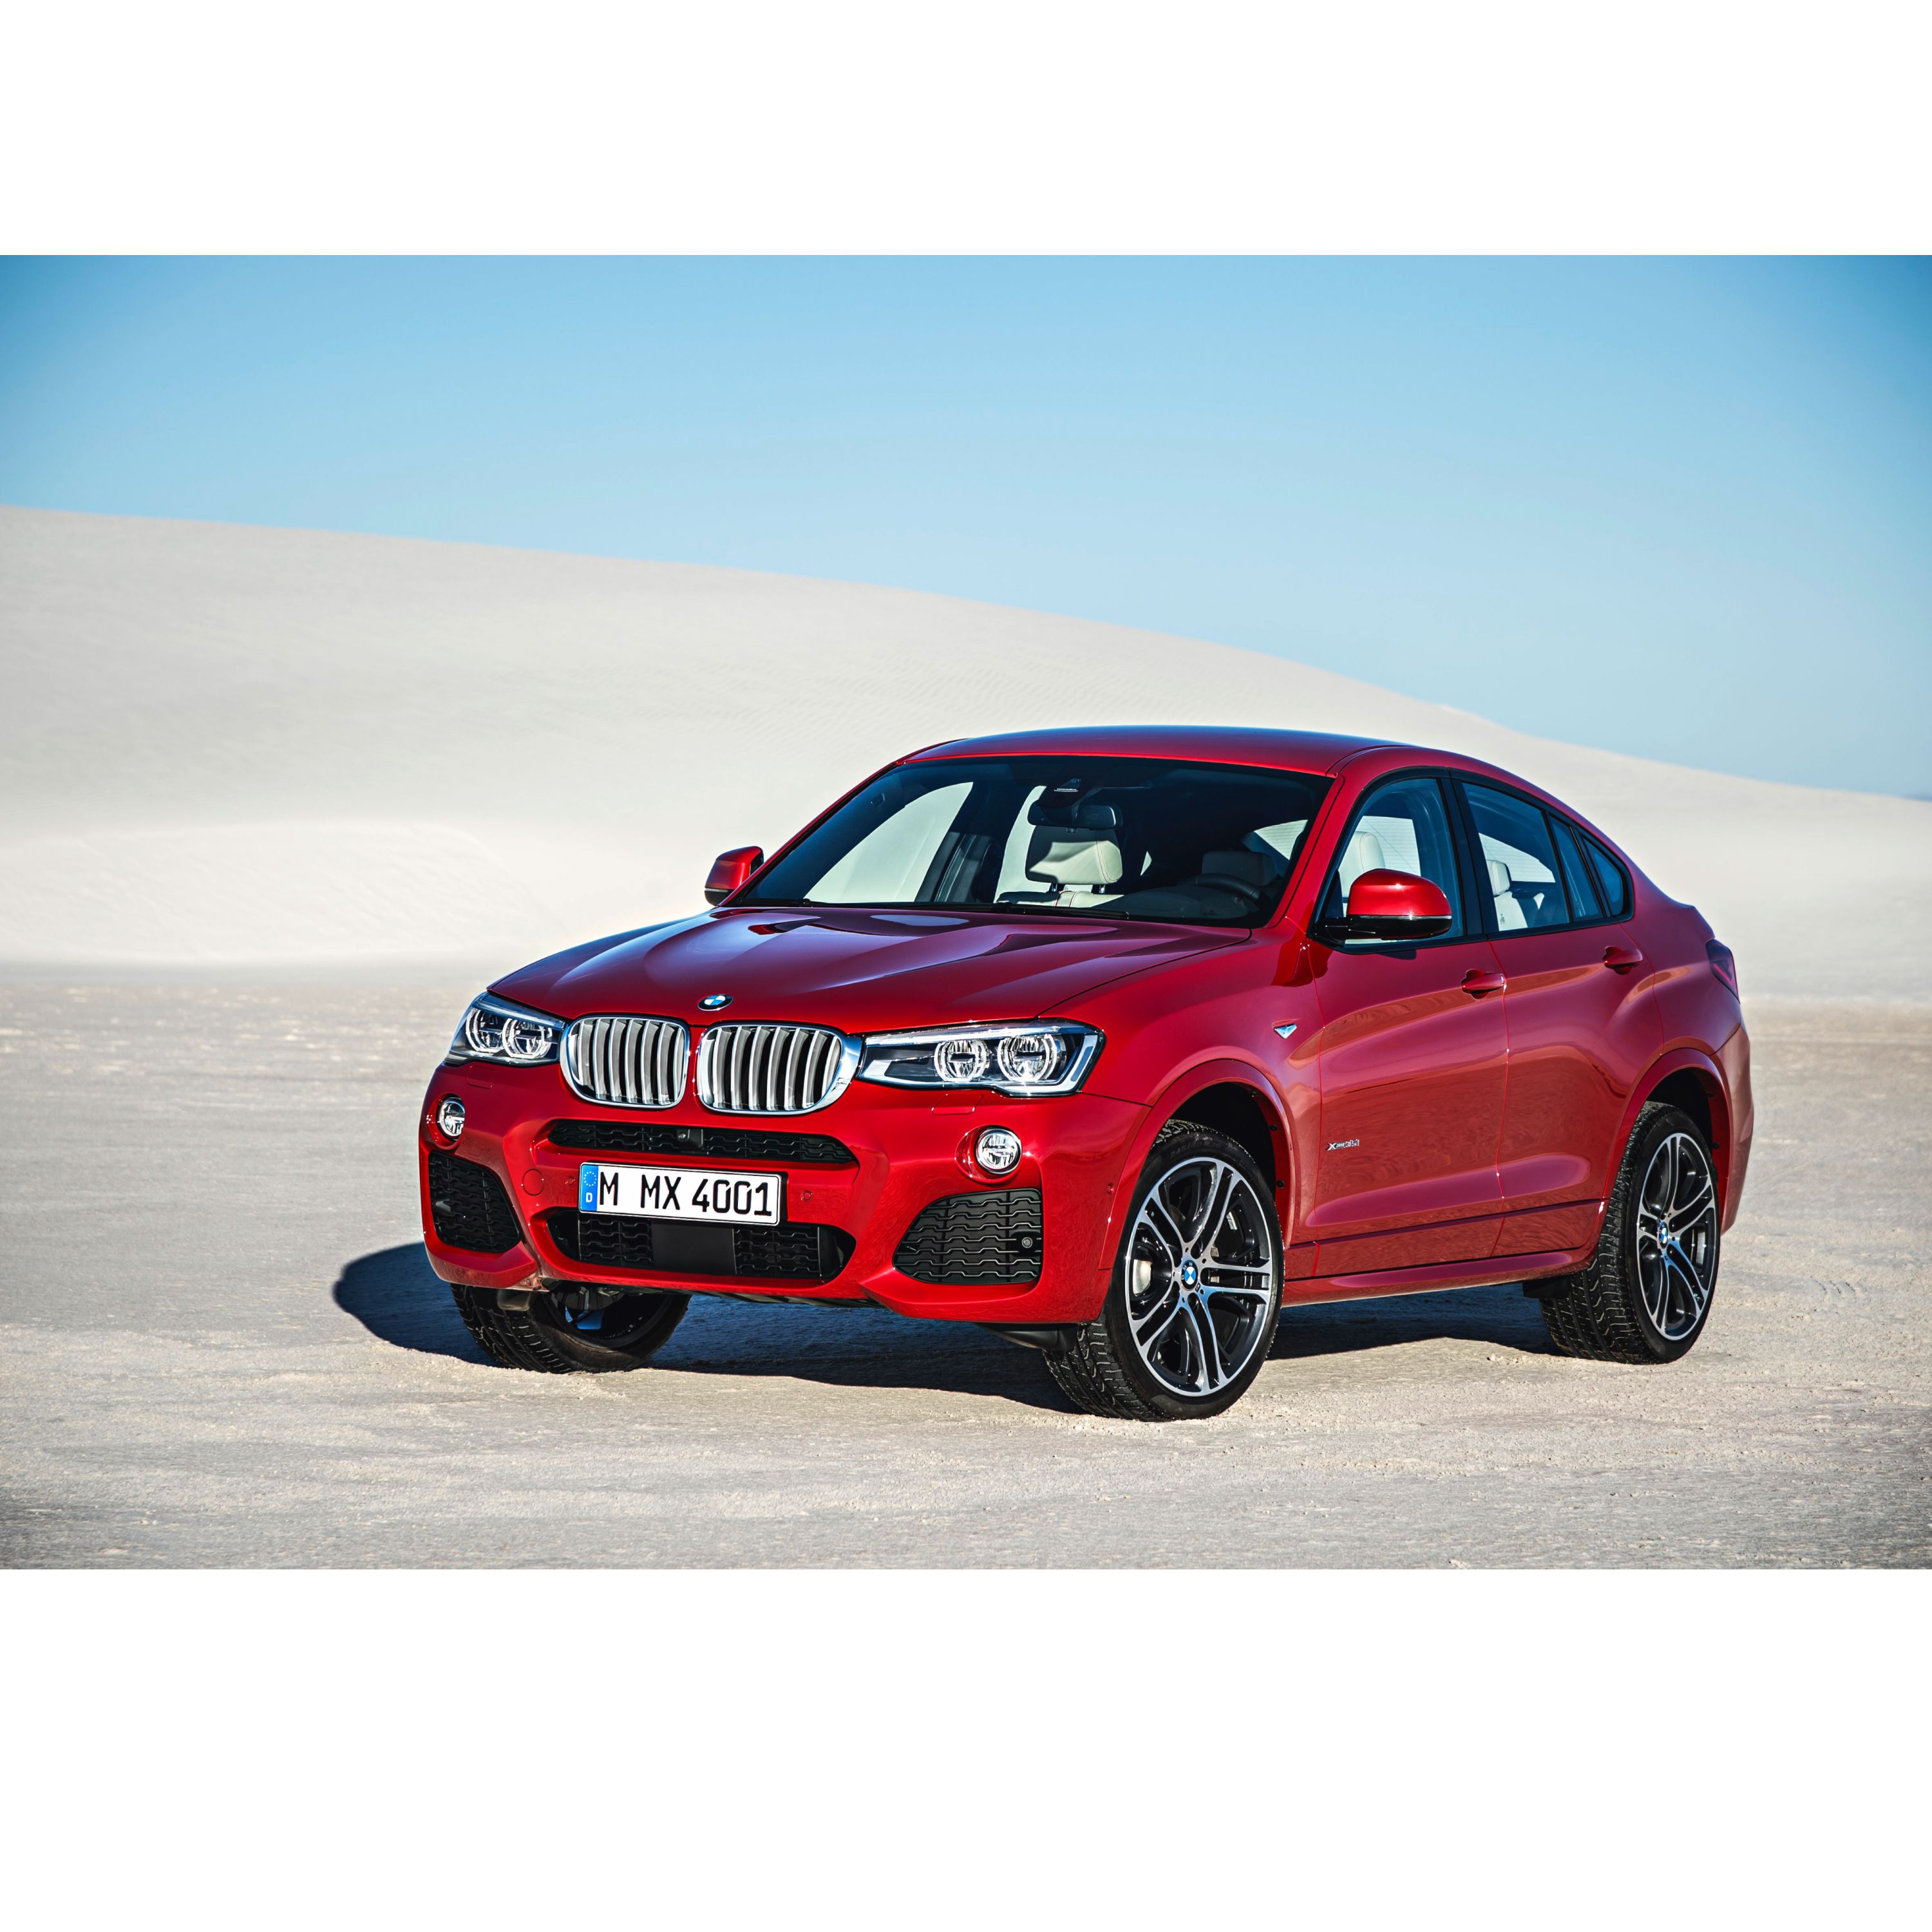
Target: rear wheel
{"points": [[1646, 1293], [1196, 1288], [571, 1328]]}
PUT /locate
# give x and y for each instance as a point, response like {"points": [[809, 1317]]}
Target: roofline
{"points": [[1340, 747]]}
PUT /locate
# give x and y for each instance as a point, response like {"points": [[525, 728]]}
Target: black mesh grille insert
{"points": [[727, 1143], [468, 1207], [793, 1251], [966, 1240]]}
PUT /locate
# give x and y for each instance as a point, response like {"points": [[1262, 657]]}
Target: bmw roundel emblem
{"points": [[711, 1002], [1189, 1273]]}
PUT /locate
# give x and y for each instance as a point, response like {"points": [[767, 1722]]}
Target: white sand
{"points": [[225, 746]]}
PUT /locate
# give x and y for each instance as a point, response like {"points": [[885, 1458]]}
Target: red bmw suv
{"points": [[1111, 1041]]}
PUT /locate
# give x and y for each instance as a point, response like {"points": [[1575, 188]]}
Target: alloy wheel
{"points": [[1677, 1236], [1200, 1277]]}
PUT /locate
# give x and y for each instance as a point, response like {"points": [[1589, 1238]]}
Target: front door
{"points": [[1412, 1057]]}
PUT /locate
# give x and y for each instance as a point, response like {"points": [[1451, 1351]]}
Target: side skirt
{"points": [[1490, 1271]]}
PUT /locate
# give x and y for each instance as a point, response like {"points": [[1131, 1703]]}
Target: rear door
{"points": [[1581, 1031], [1412, 1056]]}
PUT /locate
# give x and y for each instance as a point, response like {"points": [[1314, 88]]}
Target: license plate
{"points": [[681, 1193]]}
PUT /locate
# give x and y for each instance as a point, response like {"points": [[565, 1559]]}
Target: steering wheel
{"points": [[1225, 882]]}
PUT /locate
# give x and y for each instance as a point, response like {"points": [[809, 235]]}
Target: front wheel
{"points": [[1196, 1288], [1646, 1293], [570, 1328]]}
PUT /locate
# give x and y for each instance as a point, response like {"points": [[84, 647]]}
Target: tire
{"points": [[1643, 1299], [1203, 1340], [552, 1338]]}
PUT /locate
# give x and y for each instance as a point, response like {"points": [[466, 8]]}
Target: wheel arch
{"points": [[1690, 1081], [1229, 1095]]}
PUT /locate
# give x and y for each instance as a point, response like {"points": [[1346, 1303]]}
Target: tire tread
{"points": [[1593, 1315], [1087, 1366], [516, 1340]]}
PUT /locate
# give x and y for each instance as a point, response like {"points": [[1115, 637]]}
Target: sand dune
{"points": [[232, 746]]}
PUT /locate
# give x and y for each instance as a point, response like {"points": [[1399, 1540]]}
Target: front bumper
{"points": [[907, 1150]]}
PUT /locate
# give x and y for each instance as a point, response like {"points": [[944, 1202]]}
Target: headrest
{"points": [[1068, 857], [1510, 917], [1365, 854], [1250, 868]]}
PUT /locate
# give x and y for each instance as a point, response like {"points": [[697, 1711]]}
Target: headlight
{"points": [[494, 1029], [1025, 1056]]}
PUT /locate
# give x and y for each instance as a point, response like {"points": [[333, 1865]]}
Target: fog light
{"points": [[449, 1118], [998, 1150]]}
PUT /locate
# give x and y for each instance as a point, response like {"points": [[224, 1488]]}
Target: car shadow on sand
{"points": [[396, 1296], [1505, 1316]]}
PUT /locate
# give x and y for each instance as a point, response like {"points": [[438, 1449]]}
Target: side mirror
{"points": [[730, 870], [1383, 905]]}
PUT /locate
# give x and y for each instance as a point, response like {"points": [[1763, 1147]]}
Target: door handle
{"points": [[1476, 982], [1621, 958]]}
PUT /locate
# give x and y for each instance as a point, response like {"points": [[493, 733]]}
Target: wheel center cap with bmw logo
{"points": [[1189, 1273]]}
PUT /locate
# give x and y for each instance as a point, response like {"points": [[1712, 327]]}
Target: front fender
{"points": [[1186, 1082]]}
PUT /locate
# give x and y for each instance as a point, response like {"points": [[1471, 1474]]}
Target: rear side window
{"points": [[1518, 860]]}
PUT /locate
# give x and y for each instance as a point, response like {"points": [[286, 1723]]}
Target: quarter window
{"points": [[1584, 899], [1610, 878], [1519, 859]]}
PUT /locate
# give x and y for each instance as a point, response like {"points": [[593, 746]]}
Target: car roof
{"points": [[1220, 744]]}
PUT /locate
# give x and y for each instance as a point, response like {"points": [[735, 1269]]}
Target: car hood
{"points": [[862, 972]]}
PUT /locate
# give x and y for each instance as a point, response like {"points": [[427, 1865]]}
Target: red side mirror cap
{"points": [[730, 870], [1386, 905]]}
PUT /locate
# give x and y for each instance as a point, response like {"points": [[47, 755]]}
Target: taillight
{"points": [[1724, 963]]}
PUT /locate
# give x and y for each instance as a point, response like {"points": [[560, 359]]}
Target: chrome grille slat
{"points": [[672, 1052], [626, 1059], [757, 1066]]}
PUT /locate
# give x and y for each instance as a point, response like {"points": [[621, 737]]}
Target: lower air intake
{"points": [[793, 1251], [469, 1207], [973, 1240]]}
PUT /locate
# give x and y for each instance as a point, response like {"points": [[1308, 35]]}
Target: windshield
{"points": [[1078, 837]]}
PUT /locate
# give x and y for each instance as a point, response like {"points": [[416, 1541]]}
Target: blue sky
{"points": [[1677, 507]]}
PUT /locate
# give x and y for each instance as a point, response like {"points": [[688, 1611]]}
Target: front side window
{"points": [[1403, 826], [1146, 838], [1519, 859]]}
